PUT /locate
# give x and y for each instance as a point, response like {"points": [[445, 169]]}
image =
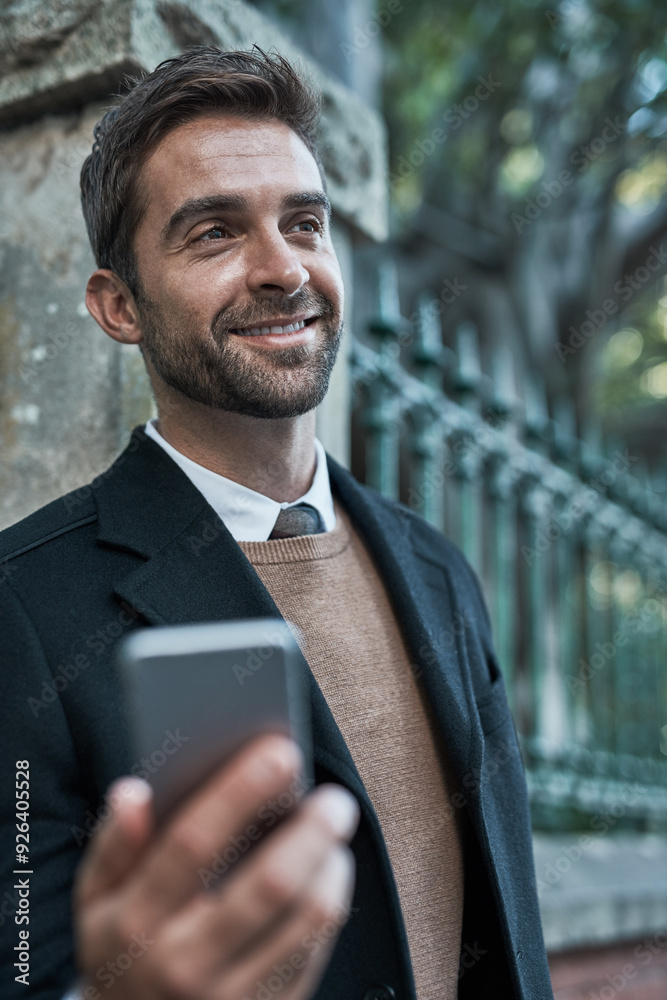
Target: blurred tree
{"points": [[529, 159]]}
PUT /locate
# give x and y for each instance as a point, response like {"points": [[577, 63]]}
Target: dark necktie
{"points": [[301, 519]]}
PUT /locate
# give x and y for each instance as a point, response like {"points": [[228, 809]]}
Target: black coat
{"points": [[141, 546]]}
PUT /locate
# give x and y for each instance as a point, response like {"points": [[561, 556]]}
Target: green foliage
{"points": [[563, 73], [633, 362], [565, 62]]}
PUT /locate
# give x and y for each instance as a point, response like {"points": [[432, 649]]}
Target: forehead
{"points": [[221, 153]]}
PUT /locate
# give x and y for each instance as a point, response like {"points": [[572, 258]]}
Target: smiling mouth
{"points": [[274, 328]]}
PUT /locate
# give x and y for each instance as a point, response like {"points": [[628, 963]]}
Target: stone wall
{"points": [[69, 394]]}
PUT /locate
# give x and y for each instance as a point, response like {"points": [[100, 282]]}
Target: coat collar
{"points": [[195, 571]]}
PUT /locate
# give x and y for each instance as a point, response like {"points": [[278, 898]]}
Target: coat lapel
{"points": [[194, 571], [423, 617]]}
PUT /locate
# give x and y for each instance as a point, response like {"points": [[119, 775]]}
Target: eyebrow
{"points": [[195, 207]]}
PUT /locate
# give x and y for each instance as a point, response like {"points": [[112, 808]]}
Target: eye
{"points": [[214, 233], [314, 225]]}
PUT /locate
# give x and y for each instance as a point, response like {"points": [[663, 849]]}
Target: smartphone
{"points": [[195, 694]]}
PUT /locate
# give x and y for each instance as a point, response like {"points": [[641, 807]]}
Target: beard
{"points": [[217, 371]]}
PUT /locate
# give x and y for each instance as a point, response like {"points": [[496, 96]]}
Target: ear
{"points": [[111, 304]]}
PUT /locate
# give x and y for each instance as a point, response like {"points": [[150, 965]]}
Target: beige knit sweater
{"points": [[327, 585]]}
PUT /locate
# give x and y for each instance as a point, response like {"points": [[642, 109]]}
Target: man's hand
{"points": [[146, 927]]}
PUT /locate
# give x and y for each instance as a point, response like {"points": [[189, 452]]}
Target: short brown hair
{"points": [[203, 79]]}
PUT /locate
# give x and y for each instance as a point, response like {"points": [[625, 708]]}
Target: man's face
{"points": [[235, 242]]}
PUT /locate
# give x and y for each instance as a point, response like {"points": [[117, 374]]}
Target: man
{"points": [[206, 208]]}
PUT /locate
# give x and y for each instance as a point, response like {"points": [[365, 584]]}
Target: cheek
{"points": [[331, 282], [196, 294]]}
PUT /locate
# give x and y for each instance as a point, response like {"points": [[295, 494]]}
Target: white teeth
{"points": [[257, 331]]}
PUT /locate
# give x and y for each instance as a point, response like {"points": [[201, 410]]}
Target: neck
{"points": [[272, 457]]}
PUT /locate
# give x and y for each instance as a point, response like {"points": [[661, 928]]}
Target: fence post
{"points": [[427, 475], [466, 452], [503, 545], [381, 418]]}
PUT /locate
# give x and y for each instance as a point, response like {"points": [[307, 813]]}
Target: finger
{"points": [[115, 849], [204, 826], [295, 956], [216, 926]]}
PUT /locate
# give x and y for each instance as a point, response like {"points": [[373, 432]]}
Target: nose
{"points": [[274, 265]]}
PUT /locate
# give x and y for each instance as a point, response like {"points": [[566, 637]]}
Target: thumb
{"points": [[117, 845]]}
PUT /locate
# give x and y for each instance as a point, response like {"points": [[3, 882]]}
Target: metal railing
{"points": [[571, 546]]}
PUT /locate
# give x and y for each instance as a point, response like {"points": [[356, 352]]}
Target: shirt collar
{"points": [[250, 516]]}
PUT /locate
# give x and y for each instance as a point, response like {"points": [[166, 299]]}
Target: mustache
{"points": [[261, 310]]}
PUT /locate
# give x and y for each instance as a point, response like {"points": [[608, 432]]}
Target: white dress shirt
{"points": [[250, 516]]}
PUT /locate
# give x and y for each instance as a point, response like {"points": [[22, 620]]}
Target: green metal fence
{"points": [[571, 546]]}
